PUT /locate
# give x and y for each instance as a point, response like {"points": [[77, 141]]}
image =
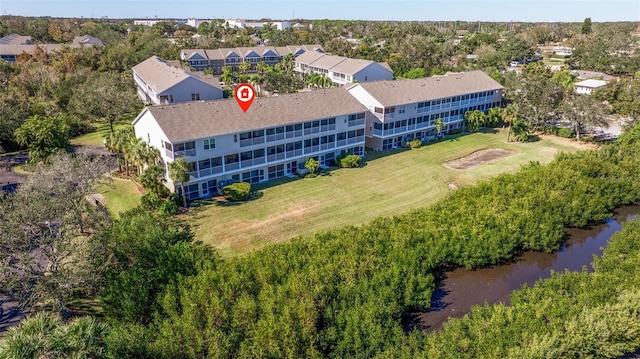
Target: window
{"points": [[194, 97], [209, 143]]}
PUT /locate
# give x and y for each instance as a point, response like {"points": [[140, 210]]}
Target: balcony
{"points": [[232, 166], [276, 137], [252, 162], [312, 130], [356, 139], [276, 157], [356, 123], [311, 149], [251, 141], [294, 153], [210, 171], [327, 128], [326, 146], [293, 134], [185, 153]]}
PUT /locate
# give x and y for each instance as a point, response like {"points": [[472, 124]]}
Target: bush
{"points": [[170, 205], [566, 132], [237, 191], [348, 160], [455, 131], [415, 143]]}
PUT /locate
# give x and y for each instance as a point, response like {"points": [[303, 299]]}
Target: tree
{"points": [[474, 120], [583, 112], [586, 26], [116, 142], [43, 137], [113, 98], [179, 172], [439, 125], [44, 335], [510, 115], [312, 165], [244, 66], [152, 179], [140, 153], [44, 227], [227, 75]]}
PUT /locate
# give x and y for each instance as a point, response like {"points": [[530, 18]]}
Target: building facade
{"points": [[216, 59], [341, 70], [157, 82], [279, 134], [402, 110], [273, 139]]}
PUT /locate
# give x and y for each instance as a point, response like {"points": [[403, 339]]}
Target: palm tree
{"points": [[439, 124], [45, 335], [244, 66], [262, 67], [510, 114], [179, 172], [312, 80], [256, 81], [227, 75], [324, 81]]}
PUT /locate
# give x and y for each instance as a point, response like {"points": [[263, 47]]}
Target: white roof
{"points": [[591, 83]]}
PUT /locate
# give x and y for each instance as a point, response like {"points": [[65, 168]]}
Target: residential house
{"points": [[277, 135], [562, 51], [14, 45], [405, 109], [585, 75], [586, 87], [158, 82], [274, 138], [216, 59], [342, 70]]}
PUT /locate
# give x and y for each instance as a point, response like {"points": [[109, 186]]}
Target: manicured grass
{"points": [[391, 182], [120, 195], [96, 137]]}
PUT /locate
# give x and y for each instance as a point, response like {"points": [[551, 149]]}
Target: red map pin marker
{"points": [[245, 94]]}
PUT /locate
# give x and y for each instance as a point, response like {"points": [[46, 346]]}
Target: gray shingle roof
{"points": [[15, 39], [191, 120], [160, 75], [398, 92], [343, 65], [218, 54]]}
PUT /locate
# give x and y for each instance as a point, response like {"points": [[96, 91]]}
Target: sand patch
{"points": [[479, 158]]}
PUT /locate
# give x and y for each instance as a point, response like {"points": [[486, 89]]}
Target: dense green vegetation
{"points": [[343, 293]]}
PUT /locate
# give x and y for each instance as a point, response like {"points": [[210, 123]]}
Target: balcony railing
{"points": [[294, 153], [275, 157], [276, 137], [356, 123], [210, 171], [293, 134], [308, 131], [327, 128], [185, 153], [251, 141], [231, 166], [252, 162], [311, 149]]}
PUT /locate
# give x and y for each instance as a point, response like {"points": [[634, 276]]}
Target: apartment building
{"points": [[274, 138], [342, 70], [158, 82], [401, 110], [216, 59], [242, 23], [279, 134]]}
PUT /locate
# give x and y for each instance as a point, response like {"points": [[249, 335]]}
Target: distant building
{"points": [[216, 59], [146, 22], [242, 23], [585, 75], [16, 45], [586, 87], [342, 70], [562, 51], [159, 83], [196, 22]]}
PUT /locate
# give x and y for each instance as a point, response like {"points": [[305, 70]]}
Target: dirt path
{"points": [[478, 158]]}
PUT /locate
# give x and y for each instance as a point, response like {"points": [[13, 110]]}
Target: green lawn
{"points": [[120, 195], [96, 137], [391, 183]]}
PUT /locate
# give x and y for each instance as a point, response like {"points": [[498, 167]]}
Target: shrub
{"points": [[455, 131], [566, 132], [237, 191], [415, 143], [312, 165], [348, 160]]}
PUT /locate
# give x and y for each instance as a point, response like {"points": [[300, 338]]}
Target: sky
{"points": [[422, 10]]}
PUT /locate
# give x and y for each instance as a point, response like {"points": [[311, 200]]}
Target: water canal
{"points": [[462, 288]]}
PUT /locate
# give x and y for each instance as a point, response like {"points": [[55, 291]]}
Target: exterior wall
{"points": [[145, 91], [182, 92], [267, 161], [392, 130], [583, 90], [373, 72], [146, 128]]}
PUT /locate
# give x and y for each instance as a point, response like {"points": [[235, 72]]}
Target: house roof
{"points": [[87, 40], [222, 53], [160, 75], [352, 66], [15, 39], [398, 92], [584, 74], [13, 49], [591, 83], [191, 120]]}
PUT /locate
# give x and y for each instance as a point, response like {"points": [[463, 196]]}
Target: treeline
{"points": [[343, 293]]}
